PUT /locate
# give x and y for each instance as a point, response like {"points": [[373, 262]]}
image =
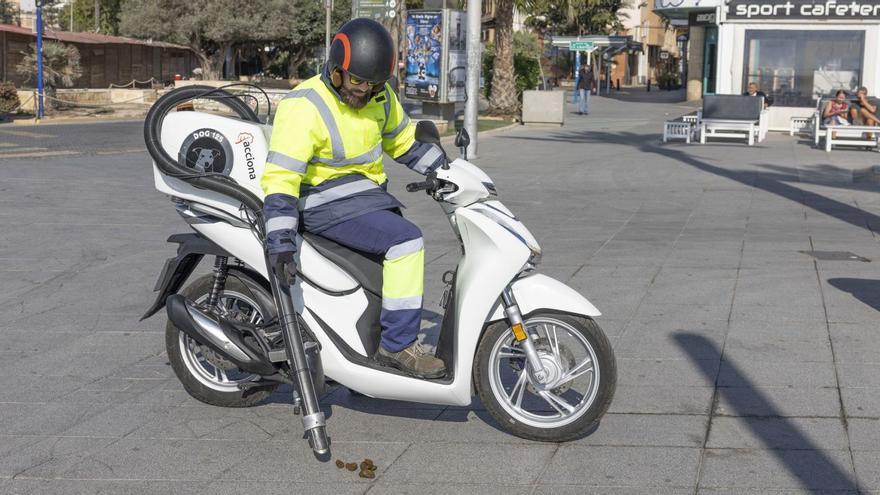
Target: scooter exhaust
{"points": [[220, 336]]}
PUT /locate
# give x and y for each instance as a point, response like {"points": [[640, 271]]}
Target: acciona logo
{"points": [[245, 139], [803, 9]]}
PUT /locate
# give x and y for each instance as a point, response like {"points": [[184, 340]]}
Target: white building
{"points": [[796, 50]]}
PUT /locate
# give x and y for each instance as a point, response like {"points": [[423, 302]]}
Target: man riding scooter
{"points": [[325, 164]]}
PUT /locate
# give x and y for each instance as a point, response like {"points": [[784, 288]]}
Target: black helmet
{"points": [[363, 48]]}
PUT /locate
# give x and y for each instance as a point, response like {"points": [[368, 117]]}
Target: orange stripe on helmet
{"points": [[346, 45]]}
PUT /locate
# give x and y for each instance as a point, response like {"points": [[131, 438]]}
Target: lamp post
{"points": [[472, 81], [39, 4], [328, 6]]}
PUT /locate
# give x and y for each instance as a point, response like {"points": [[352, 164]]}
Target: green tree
{"points": [[8, 12], [211, 28], [503, 99], [527, 73], [52, 13], [84, 15], [296, 27], [577, 17], [61, 66]]}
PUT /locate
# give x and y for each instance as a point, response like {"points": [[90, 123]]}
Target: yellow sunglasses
{"points": [[356, 81]]}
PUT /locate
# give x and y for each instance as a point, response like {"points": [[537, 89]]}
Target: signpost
{"points": [[39, 59], [375, 9], [577, 47], [581, 46]]}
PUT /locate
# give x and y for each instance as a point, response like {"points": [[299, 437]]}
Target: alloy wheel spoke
{"points": [[557, 402], [553, 340], [511, 352], [516, 395], [584, 367]]}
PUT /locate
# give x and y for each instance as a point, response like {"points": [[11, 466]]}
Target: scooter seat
{"points": [[366, 268]]}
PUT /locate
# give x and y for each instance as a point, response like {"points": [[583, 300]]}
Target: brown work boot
{"points": [[413, 360]]}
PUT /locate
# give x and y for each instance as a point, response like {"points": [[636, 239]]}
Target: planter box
{"points": [[543, 107]]}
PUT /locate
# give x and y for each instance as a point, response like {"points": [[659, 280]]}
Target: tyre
{"points": [[581, 377], [205, 375]]}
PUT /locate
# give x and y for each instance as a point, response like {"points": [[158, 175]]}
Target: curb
{"points": [[451, 138], [75, 120]]}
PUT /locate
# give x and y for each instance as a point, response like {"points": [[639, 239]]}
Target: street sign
{"points": [[581, 46], [375, 9]]}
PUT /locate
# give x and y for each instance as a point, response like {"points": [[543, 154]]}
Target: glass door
{"points": [[710, 58]]}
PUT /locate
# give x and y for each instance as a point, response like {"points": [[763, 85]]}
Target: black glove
{"points": [[284, 267]]}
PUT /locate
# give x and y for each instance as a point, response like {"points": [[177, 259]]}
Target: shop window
{"points": [[797, 67]]}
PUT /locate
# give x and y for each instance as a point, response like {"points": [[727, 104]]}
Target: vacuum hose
{"points": [[168, 165]]}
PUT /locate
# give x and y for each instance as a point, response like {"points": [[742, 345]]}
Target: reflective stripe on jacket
{"points": [[325, 159]]}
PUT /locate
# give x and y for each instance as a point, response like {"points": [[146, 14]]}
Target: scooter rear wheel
{"points": [[203, 374], [581, 370]]}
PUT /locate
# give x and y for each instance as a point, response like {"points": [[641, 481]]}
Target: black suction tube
{"points": [[153, 132]]}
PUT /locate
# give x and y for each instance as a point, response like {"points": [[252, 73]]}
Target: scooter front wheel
{"points": [[580, 377]]}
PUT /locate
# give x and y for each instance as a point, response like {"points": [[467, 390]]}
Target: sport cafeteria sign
{"points": [[803, 9]]}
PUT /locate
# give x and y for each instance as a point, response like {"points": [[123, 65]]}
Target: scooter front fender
{"points": [[539, 291]]}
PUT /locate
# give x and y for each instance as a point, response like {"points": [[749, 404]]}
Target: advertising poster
{"points": [[456, 65], [424, 55]]}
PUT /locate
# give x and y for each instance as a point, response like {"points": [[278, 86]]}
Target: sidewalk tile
{"points": [[777, 433], [666, 467], [770, 470], [782, 401], [470, 463]]}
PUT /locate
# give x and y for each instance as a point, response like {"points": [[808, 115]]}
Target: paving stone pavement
{"points": [[745, 365]]}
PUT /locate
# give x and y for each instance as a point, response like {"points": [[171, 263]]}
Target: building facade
{"points": [[105, 60], [797, 51]]}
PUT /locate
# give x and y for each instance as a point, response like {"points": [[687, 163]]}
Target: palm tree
{"points": [[504, 100], [569, 17]]}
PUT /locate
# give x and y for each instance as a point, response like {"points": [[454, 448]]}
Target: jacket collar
{"points": [[325, 78]]}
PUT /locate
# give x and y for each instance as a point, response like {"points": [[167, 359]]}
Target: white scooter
{"points": [[525, 343]]}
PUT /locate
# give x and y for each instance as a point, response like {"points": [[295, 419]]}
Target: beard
{"points": [[355, 100]]}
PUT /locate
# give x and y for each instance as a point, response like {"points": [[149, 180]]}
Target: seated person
{"points": [[863, 111], [754, 91], [836, 110]]}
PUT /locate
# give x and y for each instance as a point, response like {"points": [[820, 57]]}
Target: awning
{"points": [[604, 43]]}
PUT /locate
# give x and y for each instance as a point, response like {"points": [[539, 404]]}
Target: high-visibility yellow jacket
{"points": [[325, 159]]}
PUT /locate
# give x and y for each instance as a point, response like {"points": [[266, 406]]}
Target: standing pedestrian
{"points": [[584, 87]]}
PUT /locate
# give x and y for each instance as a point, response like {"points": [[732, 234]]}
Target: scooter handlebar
{"points": [[430, 184]]}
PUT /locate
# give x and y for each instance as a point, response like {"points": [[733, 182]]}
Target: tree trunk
{"points": [[296, 59], [504, 99], [264, 60], [215, 61], [207, 62]]}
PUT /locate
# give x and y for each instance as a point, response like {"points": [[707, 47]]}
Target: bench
{"points": [[855, 135], [684, 127], [678, 129], [800, 124], [734, 117], [859, 135]]}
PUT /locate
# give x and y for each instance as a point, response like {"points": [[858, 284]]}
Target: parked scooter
{"points": [[526, 344]]}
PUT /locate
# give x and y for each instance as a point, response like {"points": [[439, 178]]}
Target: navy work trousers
{"points": [[387, 233]]}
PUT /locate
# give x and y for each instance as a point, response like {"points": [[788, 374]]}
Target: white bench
{"points": [[858, 135], [799, 124], [731, 129], [677, 130], [733, 117]]}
